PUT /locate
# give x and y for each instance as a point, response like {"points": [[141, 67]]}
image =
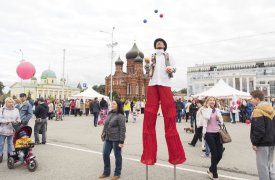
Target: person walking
{"points": [[127, 109], [41, 113], [51, 110], [187, 109], [179, 107], [77, 107], [96, 109], [25, 109], [87, 107], [262, 135], [67, 107], [72, 107], [200, 120], [8, 115], [113, 135], [212, 120], [193, 111]]}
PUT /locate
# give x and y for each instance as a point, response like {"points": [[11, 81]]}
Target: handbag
{"points": [[224, 135], [103, 135]]}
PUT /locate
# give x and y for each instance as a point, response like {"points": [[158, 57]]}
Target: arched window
{"points": [[137, 89]]}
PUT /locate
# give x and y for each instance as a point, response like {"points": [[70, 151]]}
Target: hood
{"points": [[266, 107], [5, 107], [43, 104]]}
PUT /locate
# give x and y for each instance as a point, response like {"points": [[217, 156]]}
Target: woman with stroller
{"points": [[8, 115], [113, 135]]}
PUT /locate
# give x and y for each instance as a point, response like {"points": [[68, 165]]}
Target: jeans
{"points": [[127, 115], [178, 116], [193, 120], [40, 126], [9, 142], [95, 118], [107, 148], [216, 149]]}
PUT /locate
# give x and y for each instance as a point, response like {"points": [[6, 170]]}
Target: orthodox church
{"points": [[133, 82]]}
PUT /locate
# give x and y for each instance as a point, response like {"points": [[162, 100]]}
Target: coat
{"points": [[262, 131], [7, 117], [114, 127]]}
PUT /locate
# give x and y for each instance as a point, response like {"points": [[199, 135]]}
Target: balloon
{"points": [[161, 15], [145, 21], [247, 121], [25, 70], [156, 11]]}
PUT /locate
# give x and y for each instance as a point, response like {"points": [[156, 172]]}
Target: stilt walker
{"points": [[159, 92]]}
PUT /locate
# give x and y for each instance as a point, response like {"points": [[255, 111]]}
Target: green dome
{"points": [[33, 78], [48, 74]]}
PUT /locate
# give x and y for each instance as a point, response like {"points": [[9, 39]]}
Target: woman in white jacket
{"points": [[212, 120], [8, 115]]}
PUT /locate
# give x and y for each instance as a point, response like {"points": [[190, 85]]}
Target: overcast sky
{"points": [[192, 29]]}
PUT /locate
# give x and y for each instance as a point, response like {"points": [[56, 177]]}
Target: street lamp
{"points": [[111, 45]]}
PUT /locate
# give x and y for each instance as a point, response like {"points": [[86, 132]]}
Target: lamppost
{"points": [[63, 78], [111, 45]]}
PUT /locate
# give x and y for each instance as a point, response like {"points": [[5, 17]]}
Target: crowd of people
{"points": [[205, 118]]}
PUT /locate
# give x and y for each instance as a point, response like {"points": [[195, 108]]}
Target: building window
{"points": [[137, 89], [272, 88], [143, 90]]}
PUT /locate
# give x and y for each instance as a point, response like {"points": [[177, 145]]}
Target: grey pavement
{"points": [[73, 151]]}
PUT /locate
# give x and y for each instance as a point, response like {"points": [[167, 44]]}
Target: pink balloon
{"points": [[247, 121], [25, 70]]}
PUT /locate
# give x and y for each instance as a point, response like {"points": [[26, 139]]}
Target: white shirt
{"points": [[160, 77]]}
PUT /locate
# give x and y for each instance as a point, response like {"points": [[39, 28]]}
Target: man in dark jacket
{"points": [[96, 109], [41, 114], [193, 112], [262, 135], [179, 107]]}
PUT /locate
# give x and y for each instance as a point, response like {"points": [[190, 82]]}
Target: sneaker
{"points": [[210, 174], [115, 177]]}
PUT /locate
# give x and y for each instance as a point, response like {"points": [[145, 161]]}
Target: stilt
{"points": [[146, 172], [175, 174]]}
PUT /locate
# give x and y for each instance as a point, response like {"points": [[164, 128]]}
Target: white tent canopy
{"points": [[223, 91], [89, 93]]}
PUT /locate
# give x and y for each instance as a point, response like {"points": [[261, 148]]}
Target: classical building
{"points": [[48, 87], [133, 82], [244, 75]]}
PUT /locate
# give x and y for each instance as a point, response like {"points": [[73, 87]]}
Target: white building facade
{"points": [[47, 88], [244, 75]]}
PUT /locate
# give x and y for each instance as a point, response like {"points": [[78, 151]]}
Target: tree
{"points": [[100, 89], [115, 95], [183, 91], [1, 88]]}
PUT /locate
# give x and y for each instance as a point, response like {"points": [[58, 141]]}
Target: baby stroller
{"points": [[29, 158], [59, 114], [102, 115]]}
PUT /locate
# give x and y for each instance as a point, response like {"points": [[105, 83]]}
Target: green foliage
{"points": [[1, 88], [100, 89], [184, 91]]}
